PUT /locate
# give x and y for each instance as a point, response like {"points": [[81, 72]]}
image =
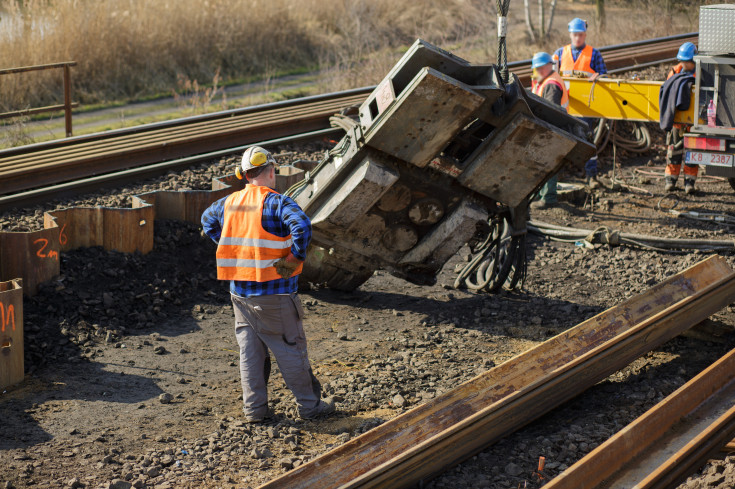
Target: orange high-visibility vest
{"points": [[675, 70], [246, 251], [581, 67], [556, 79]]}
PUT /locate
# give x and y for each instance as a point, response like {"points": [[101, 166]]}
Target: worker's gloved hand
{"points": [[285, 267]]}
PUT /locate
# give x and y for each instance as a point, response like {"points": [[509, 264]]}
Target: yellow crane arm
{"points": [[630, 100]]}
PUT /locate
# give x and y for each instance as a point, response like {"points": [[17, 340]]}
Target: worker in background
{"points": [[548, 84], [261, 239], [674, 137], [581, 60]]}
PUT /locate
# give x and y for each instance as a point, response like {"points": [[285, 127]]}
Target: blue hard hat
{"points": [[578, 25], [540, 59], [686, 52]]}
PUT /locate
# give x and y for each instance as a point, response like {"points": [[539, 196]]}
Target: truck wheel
{"points": [[732, 182]]}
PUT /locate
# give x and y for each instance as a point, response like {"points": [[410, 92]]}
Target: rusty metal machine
{"points": [[445, 153]]}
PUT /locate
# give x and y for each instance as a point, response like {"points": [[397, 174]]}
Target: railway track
{"points": [[624, 57], [42, 167]]}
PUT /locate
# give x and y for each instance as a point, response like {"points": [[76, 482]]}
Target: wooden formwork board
{"points": [[430, 438], [11, 332], [34, 256], [123, 230]]}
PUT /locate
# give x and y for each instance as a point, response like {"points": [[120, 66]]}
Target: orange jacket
{"points": [[246, 251], [555, 78], [581, 67], [678, 68]]}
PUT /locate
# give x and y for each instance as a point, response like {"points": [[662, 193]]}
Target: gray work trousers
{"points": [[273, 322]]}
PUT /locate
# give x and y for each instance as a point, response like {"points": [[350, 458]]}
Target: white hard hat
{"points": [[254, 157]]}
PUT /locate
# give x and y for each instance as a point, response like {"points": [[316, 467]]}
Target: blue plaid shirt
{"points": [[597, 64], [281, 216]]}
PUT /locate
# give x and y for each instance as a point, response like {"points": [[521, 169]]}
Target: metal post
{"points": [[67, 99]]}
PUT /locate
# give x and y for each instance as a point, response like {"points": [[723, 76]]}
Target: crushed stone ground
{"points": [[132, 359]]}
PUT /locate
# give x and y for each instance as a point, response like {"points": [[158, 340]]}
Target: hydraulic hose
{"points": [[605, 235], [607, 131]]}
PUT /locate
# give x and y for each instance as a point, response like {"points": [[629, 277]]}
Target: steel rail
{"points": [[107, 180], [446, 430], [52, 166], [193, 130], [182, 121], [43, 164], [667, 443]]}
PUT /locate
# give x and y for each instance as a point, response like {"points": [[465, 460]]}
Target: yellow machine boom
{"points": [[630, 100]]}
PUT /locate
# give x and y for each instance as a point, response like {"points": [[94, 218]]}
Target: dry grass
{"points": [[128, 49], [134, 48]]}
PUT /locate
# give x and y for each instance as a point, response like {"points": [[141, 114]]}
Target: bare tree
{"points": [[544, 25], [600, 14], [529, 22]]}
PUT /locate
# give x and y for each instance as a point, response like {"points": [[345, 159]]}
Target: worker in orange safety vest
{"points": [[262, 237], [549, 85], [674, 137], [578, 59]]}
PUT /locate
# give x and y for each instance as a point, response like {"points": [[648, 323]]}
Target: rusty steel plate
{"points": [[516, 160], [424, 118]]}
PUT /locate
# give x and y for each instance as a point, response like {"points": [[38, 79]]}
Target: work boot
{"points": [[257, 418], [688, 187], [254, 419], [542, 204], [325, 408], [592, 182], [669, 185]]}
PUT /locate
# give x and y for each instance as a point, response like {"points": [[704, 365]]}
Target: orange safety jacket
{"points": [[675, 70], [581, 67], [246, 251], [555, 78]]}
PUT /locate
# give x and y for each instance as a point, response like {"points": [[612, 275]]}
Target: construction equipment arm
{"points": [[630, 100]]}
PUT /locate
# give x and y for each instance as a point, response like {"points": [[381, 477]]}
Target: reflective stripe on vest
{"points": [[246, 251], [581, 67], [556, 79]]}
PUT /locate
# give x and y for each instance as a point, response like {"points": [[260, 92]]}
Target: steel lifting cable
{"points": [[502, 60]]}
